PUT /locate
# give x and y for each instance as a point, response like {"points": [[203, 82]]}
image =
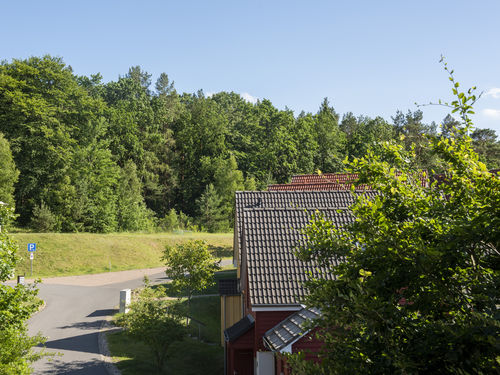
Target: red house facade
{"points": [[272, 279]]}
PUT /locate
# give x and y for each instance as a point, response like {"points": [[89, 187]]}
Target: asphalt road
{"points": [[75, 310]]}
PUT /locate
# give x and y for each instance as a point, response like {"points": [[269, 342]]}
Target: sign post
{"points": [[31, 250]]}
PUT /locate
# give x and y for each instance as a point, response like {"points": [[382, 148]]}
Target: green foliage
{"points": [[487, 147], [17, 304], [417, 282], [414, 135], [211, 215], [199, 134], [133, 215], [8, 173], [227, 180], [95, 176], [154, 321], [191, 266], [43, 220], [187, 357], [363, 132], [170, 221], [16, 354], [41, 108], [330, 140], [119, 156]]}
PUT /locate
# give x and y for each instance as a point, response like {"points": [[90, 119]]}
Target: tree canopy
{"points": [[416, 288], [191, 266], [121, 155]]}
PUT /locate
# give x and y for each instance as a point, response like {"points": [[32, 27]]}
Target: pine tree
{"points": [[211, 214]]}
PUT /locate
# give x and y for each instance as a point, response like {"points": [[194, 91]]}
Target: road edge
{"points": [[106, 357]]}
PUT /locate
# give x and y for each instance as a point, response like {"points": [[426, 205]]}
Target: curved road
{"points": [[76, 307]]}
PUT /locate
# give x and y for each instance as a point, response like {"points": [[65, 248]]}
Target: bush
{"points": [[154, 321], [43, 219], [170, 221]]}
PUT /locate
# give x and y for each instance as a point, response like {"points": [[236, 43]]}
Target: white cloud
{"points": [[249, 98], [491, 113], [494, 92], [209, 94]]}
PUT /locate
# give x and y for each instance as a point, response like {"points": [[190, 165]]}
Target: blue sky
{"points": [[368, 57]]}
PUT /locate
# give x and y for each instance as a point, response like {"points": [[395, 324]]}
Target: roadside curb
{"points": [[41, 308], [104, 350]]}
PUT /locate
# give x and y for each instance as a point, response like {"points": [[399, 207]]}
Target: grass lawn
{"points": [[62, 254], [205, 324], [188, 357]]}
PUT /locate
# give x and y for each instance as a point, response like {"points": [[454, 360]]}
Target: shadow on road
{"points": [[74, 368], [81, 343], [85, 325], [107, 312]]}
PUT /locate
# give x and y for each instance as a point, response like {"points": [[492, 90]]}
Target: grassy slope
{"points": [[61, 254]]}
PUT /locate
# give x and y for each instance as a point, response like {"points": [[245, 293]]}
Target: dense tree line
{"points": [[79, 154]]}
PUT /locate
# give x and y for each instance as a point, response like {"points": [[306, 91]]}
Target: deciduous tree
{"points": [[154, 321], [191, 266], [416, 287], [17, 304], [8, 173]]}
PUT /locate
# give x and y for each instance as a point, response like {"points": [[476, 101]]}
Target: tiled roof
{"points": [[239, 328], [275, 276], [228, 287], [288, 199], [316, 187], [339, 181], [325, 177], [289, 330]]}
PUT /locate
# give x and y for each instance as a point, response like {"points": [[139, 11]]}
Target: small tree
{"points": [[170, 221], [43, 219], [417, 276], [154, 321], [17, 304], [211, 216], [191, 267]]}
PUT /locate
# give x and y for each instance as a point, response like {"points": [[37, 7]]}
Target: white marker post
{"points": [[125, 295]]}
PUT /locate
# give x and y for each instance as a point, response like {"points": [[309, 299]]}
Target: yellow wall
{"points": [[230, 313]]}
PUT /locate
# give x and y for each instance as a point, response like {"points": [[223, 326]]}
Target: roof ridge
{"points": [[302, 191], [249, 209]]}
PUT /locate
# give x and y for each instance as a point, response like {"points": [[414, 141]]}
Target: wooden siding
{"points": [[239, 354], [230, 307], [265, 320], [310, 345]]}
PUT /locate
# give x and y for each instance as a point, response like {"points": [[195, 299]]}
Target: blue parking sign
{"points": [[31, 247]]}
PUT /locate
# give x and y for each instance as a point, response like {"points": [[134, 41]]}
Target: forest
{"points": [[82, 155]]}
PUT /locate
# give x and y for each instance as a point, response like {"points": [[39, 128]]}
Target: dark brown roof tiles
{"points": [[289, 199], [275, 275]]}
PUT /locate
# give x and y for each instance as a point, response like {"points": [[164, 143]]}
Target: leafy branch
{"points": [[464, 101]]}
